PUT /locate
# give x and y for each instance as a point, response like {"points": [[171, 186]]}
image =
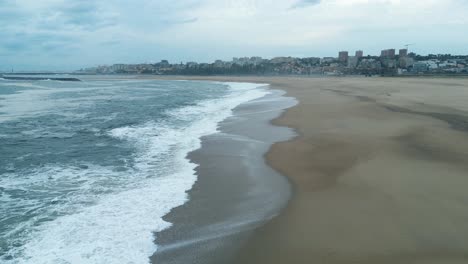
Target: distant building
{"points": [[247, 61], [433, 64], [310, 61], [327, 60], [280, 60], [359, 54], [389, 63], [405, 62], [388, 53], [353, 61], [343, 56], [403, 52], [448, 64], [369, 65], [420, 67], [118, 67]]}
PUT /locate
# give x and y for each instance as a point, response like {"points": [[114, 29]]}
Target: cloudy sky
{"points": [[70, 34]]}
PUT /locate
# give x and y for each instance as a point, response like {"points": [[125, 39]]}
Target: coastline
{"points": [[378, 172], [236, 190]]}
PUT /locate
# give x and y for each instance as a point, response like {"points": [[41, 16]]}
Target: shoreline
{"points": [[236, 190], [378, 171]]}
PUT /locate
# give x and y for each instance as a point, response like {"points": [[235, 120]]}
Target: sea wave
{"points": [[27, 85], [119, 227]]}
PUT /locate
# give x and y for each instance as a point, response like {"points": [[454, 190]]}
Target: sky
{"points": [[71, 34]]}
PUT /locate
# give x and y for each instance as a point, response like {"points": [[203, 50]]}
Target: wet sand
{"points": [[236, 190], [379, 171]]}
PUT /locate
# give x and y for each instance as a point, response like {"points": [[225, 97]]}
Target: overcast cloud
{"points": [[68, 34]]}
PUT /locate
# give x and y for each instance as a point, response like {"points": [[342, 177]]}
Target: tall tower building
{"points": [[403, 52], [388, 53], [359, 54], [343, 56]]}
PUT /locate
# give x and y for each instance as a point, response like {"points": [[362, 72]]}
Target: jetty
{"points": [[30, 78]]}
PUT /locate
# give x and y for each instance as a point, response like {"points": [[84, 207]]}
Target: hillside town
{"points": [[389, 63]]}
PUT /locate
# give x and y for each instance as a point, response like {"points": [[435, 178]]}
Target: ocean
{"points": [[88, 169]]}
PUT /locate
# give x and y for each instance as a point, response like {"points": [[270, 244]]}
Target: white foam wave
{"points": [[119, 227], [28, 85], [36, 102]]}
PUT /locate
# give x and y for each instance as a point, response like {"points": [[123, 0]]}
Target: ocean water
{"points": [[88, 169]]}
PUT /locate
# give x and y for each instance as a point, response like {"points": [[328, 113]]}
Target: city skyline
{"points": [[60, 34], [389, 63]]}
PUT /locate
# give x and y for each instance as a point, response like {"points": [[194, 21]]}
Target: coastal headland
{"points": [[379, 172]]}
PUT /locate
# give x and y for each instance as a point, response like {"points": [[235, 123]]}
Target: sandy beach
{"points": [[379, 172]]}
